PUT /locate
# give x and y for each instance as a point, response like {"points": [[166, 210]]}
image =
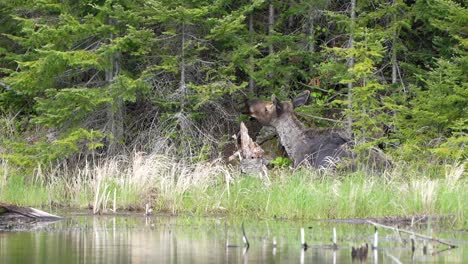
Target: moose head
{"points": [[317, 147], [269, 113]]}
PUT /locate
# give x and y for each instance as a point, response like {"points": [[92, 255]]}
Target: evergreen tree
{"points": [[70, 70], [112, 75]]}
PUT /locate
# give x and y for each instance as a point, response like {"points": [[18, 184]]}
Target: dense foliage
{"points": [[108, 77]]}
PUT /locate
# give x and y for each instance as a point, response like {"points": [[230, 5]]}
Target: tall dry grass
{"points": [[137, 180], [205, 187], [188, 184]]}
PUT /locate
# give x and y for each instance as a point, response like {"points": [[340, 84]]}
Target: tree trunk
{"points": [[115, 109], [350, 66], [252, 160], [271, 22], [310, 36], [251, 59], [182, 82], [311, 31], [394, 58]]}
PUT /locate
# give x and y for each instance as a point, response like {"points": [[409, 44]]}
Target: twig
{"points": [[6, 86], [395, 259], [244, 237], [323, 118], [414, 234], [314, 87]]}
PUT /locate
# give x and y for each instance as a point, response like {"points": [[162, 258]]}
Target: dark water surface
{"points": [[162, 239]]}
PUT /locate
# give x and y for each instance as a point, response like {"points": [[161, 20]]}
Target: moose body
{"points": [[319, 148]]}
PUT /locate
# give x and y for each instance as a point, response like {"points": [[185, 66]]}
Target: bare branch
{"points": [[6, 86], [324, 118], [414, 234], [314, 87]]}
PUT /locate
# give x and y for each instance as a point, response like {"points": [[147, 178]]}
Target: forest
{"points": [[141, 97]]}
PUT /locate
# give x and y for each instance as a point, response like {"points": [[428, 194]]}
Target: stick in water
{"points": [[148, 209], [335, 246], [244, 237], [303, 243], [414, 234], [376, 239]]}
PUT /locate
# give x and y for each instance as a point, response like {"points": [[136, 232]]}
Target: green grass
{"points": [[304, 195], [213, 188], [16, 190]]}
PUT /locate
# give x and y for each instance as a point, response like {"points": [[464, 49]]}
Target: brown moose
{"points": [[319, 148]]}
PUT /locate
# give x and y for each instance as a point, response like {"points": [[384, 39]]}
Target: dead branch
{"points": [[249, 149], [249, 153], [414, 234]]}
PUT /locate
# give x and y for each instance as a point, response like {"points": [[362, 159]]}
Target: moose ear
{"points": [[275, 100], [301, 99], [277, 103]]}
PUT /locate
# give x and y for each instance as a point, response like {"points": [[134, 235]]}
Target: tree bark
{"points": [[310, 36], [394, 57], [115, 109], [251, 59], [250, 154], [252, 161], [311, 31], [394, 61], [182, 82], [271, 22], [351, 65], [249, 149]]}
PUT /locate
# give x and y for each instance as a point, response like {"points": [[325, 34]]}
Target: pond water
{"points": [[163, 239]]}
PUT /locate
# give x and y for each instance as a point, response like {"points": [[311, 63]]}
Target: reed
{"points": [[178, 186], [309, 194]]}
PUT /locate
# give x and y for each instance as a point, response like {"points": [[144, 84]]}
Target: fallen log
{"points": [[10, 212]]}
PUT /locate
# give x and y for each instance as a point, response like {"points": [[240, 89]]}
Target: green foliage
{"points": [[17, 191], [281, 162], [45, 151], [438, 117], [68, 105], [100, 73]]}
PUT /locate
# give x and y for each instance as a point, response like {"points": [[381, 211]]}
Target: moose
{"points": [[320, 148]]}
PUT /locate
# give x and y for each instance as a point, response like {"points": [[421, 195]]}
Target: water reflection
{"points": [[137, 239]]}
